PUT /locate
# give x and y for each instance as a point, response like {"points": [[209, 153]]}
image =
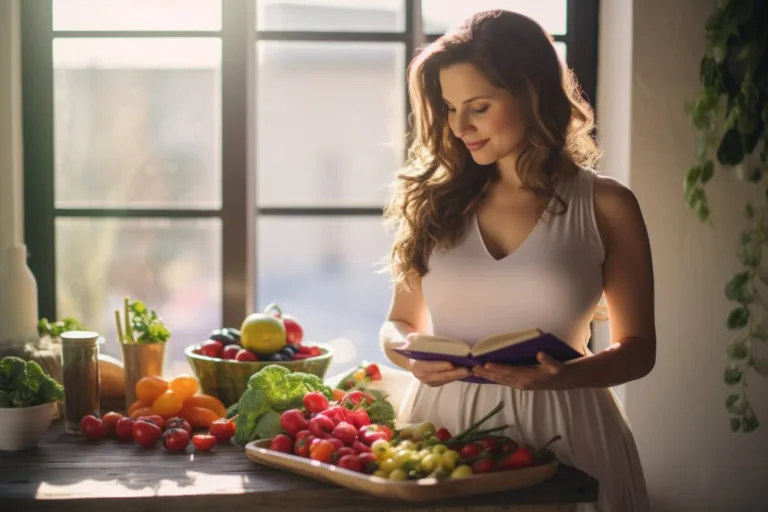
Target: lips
{"points": [[474, 146]]}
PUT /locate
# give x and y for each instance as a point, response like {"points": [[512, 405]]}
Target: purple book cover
{"points": [[522, 353]]}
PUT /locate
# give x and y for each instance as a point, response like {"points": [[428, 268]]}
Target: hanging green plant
{"points": [[730, 114]]}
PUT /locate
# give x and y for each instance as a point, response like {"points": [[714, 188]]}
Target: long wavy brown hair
{"points": [[440, 183]]}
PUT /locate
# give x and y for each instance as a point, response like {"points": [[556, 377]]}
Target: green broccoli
{"points": [[245, 425], [293, 387], [25, 384], [268, 425], [267, 380], [381, 411]]}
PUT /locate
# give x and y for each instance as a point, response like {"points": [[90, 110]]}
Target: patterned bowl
{"points": [[226, 379]]}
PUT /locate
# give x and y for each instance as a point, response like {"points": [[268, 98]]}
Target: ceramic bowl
{"points": [[226, 379], [23, 427]]}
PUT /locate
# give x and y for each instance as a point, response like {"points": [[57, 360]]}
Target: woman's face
{"points": [[485, 118]]}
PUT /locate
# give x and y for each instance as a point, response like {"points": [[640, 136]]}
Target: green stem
{"points": [[482, 420]]}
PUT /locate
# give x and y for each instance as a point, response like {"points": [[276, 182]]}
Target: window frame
{"points": [[239, 214]]}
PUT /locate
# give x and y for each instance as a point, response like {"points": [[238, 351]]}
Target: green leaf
{"points": [[732, 403], [734, 288], [735, 424], [738, 318], [730, 151], [737, 349], [750, 424], [693, 176], [707, 171], [702, 211], [749, 211], [732, 375]]}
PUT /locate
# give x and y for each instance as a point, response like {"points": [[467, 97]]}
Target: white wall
{"points": [[691, 459]]}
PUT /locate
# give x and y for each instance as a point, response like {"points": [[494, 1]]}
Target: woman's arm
{"points": [[408, 313], [628, 287]]}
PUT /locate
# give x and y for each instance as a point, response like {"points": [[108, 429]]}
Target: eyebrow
{"points": [[471, 99]]}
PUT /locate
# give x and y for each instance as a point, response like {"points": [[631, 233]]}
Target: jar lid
{"points": [[80, 338]]}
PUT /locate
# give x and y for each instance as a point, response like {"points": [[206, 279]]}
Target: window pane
{"points": [[438, 15], [323, 271], [137, 123], [562, 51], [137, 15], [174, 266], [331, 119], [331, 15]]}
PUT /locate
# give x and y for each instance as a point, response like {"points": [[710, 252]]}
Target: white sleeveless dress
{"points": [[553, 281]]}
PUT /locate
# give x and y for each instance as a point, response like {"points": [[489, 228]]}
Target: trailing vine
{"points": [[730, 114]]}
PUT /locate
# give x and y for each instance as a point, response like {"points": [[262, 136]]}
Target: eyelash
{"points": [[477, 111]]}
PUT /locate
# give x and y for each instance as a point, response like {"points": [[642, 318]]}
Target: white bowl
{"points": [[21, 428]]}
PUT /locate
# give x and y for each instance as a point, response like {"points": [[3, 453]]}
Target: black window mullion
{"points": [[37, 114], [582, 42], [238, 270]]}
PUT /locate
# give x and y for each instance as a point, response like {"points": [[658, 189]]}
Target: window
{"points": [[211, 157]]}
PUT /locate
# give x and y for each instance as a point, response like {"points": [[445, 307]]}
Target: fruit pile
{"points": [[269, 336], [177, 397], [345, 437], [175, 433]]}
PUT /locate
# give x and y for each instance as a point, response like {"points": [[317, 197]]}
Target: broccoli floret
{"points": [[245, 426], [13, 372], [35, 375], [49, 390], [293, 387], [5, 400], [267, 379], [252, 402], [22, 397], [268, 425], [381, 411]]}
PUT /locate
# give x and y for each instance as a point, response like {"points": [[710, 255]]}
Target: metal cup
{"points": [[140, 360]]}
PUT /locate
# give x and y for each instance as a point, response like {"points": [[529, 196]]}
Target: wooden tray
{"points": [[425, 489]]}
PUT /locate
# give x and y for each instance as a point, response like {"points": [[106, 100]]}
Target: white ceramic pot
{"points": [[23, 427]]}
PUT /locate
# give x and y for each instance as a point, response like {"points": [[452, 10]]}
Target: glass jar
{"points": [[80, 373]]}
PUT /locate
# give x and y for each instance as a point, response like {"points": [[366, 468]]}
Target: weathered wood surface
{"points": [[68, 473]]}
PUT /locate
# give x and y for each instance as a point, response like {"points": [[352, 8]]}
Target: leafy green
{"points": [[24, 384], [271, 391], [381, 411], [56, 328], [146, 325]]}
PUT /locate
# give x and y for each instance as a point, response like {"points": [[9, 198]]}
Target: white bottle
{"points": [[18, 298]]}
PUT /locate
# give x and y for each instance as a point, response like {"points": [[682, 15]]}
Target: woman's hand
{"points": [[540, 376], [435, 373]]}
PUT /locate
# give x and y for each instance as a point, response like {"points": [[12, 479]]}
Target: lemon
{"points": [[263, 334]]}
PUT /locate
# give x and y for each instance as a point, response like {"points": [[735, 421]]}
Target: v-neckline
{"points": [[523, 243]]}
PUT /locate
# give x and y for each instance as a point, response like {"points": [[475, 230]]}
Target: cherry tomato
{"points": [[292, 422], [93, 428], [302, 444], [470, 450], [490, 444], [369, 462], [337, 413], [245, 355], [359, 418], [345, 450], [315, 402], [203, 442], [322, 451], [350, 462], [211, 348], [175, 439], [222, 429], [484, 465], [281, 443], [520, 458], [359, 447], [177, 422], [146, 433], [353, 398], [373, 371], [153, 418], [110, 421], [443, 434], [345, 432], [230, 351], [124, 428], [321, 426]]}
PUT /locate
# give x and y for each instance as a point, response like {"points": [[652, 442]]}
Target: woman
{"points": [[503, 226]]}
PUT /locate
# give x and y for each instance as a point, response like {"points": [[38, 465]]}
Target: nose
{"points": [[461, 125]]}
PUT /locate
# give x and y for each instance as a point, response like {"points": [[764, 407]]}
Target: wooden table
{"points": [[67, 473]]}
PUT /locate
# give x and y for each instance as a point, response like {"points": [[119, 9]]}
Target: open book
{"points": [[519, 348]]}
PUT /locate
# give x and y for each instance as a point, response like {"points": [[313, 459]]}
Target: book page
{"points": [[439, 345], [493, 343]]}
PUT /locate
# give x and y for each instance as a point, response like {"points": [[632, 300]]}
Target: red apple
{"points": [[211, 348], [294, 334], [245, 355], [230, 351]]}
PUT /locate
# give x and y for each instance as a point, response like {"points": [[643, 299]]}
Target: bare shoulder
{"points": [[617, 210]]}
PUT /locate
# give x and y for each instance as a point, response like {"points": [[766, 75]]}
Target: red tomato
{"points": [[93, 428], [124, 428], [281, 443], [315, 402], [153, 418], [484, 465], [359, 418], [146, 433], [359, 447], [292, 422], [110, 421], [345, 432], [203, 442], [302, 444], [350, 462], [211, 348], [175, 439], [337, 413], [345, 450], [490, 444], [322, 451], [294, 334], [470, 450], [222, 429], [443, 434], [355, 397], [245, 355], [369, 462], [508, 445], [321, 426], [520, 458], [177, 422], [230, 351]]}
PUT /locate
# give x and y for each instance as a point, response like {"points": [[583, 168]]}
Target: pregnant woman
{"points": [[502, 225]]}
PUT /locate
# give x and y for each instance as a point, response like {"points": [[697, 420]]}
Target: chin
{"points": [[482, 158]]}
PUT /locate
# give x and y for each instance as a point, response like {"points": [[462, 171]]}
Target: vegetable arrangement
{"points": [[142, 325], [25, 384], [344, 434]]}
